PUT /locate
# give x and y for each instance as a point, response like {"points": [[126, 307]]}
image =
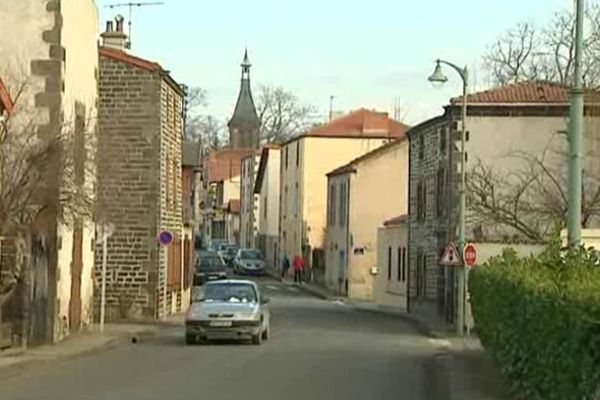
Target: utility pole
{"points": [[576, 134], [331, 107], [130, 5]]}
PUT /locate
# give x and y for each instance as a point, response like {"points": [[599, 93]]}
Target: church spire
{"points": [[244, 124]]}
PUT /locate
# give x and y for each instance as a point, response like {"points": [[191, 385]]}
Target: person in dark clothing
{"points": [[285, 267]]}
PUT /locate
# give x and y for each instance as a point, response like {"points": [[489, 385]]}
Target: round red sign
{"points": [[470, 255]]}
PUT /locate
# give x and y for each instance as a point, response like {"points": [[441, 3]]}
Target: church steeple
{"points": [[244, 125]]}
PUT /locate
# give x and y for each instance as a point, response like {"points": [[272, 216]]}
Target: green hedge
{"points": [[539, 317]]}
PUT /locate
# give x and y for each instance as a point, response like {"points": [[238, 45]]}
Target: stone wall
{"points": [[430, 284], [129, 187]]}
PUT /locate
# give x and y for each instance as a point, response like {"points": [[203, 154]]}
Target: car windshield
{"points": [[209, 262], [228, 292], [250, 255]]}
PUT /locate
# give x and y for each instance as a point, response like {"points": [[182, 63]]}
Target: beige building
{"points": [[390, 288], [58, 98], [360, 195], [305, 161], [266, 188]]}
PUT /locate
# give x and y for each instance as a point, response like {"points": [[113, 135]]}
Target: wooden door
{"points": [[76, 271]]}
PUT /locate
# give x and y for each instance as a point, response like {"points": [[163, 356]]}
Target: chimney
{"points": [[115, 39]]}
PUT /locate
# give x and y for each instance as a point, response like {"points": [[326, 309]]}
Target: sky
{"points": [[369, 54]]}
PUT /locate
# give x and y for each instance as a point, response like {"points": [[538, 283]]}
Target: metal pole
{"points": [[103, 290], [461, 279], [576, 135]]}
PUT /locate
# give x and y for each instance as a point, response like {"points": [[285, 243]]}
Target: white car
{"points": [[228, 309]]}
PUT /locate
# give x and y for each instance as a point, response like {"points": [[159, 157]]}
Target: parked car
{"points": [[229, 309], [209, 266], [249, 261], [216, 243], [228, 253]]}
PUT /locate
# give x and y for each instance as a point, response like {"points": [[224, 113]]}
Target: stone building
{"points": [[511, 129], [140, 182], [56, 104]]}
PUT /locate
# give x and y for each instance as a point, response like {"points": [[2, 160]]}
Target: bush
{"points": [[539, 317]]}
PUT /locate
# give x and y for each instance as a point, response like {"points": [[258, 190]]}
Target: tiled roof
{"points": [[138, 62], [526, 93], [5, 99], [129, 59], [234, 206], [361, 123], [349, 167], [401, 219], [224, 164]]}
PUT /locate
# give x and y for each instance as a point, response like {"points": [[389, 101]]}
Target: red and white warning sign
{"points": [[450, 258], [470, 254]]}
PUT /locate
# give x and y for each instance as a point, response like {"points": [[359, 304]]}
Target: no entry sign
{"points": [[165, 238], [470, 255]]}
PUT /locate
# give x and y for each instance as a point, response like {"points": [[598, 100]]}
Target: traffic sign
{"points": [[450, 258], [470, 254], [165, 238]]}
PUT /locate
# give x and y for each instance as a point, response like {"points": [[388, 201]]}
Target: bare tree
{"points": [[530, 52], [206, 128], [40, 172], [282, 115], [530, 200]]}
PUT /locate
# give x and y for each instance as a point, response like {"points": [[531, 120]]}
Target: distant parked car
{"points": [[228, 253], [209, 266], [249, 261], [230, 309], [216, 243]]}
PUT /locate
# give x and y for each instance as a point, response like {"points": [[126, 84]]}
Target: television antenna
{"points": [[131, 5]]}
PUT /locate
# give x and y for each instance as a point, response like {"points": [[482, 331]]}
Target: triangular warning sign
{"points": [[450, 257]]}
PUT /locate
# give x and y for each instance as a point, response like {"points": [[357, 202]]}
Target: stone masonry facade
{"points": [[432, 201], [139, 186]]}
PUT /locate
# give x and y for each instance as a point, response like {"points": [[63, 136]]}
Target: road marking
{"points": [[445, 344], [273, 287], [339, 303]]}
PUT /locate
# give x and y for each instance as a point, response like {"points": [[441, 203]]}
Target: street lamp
{"points": [[438, 78]]}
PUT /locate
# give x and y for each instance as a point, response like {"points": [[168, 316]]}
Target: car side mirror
{"points": [[265, 300]]}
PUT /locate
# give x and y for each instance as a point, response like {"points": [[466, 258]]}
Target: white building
{"points": [[266, 188], [249, 201]]}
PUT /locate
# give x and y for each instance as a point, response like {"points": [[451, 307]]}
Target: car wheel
{"points": [[190, 339], [257, 339]]}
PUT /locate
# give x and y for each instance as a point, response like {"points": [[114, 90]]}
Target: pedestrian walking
{"points": [[298, 266], [285, 267]]}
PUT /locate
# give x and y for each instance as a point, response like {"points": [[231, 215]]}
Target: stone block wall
{"points": [[129, 187], [430, 285]]}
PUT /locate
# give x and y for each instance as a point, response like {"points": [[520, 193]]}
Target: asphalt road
{"points": [[318, 350]]}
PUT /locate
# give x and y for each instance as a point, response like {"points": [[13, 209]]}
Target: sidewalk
{"points": [[13, 360]]}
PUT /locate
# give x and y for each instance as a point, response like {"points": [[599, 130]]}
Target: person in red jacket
{"points": [[298, 266]]}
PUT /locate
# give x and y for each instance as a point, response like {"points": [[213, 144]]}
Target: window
{"points": [[420, 273], [286, 156], [443, 139], [404, 264], [296, 200], [399, 265], [389, 263], [421, 201], [265, 207], [297, 153], [421, 146], [285, 202], [343, 203], [333, 204], [441, 192]]}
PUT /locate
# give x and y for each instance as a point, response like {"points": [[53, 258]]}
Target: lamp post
{"points": [[576, 134], [438, 77]]}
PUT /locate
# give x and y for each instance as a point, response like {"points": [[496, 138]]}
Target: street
{"points": [[319, 350]]}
